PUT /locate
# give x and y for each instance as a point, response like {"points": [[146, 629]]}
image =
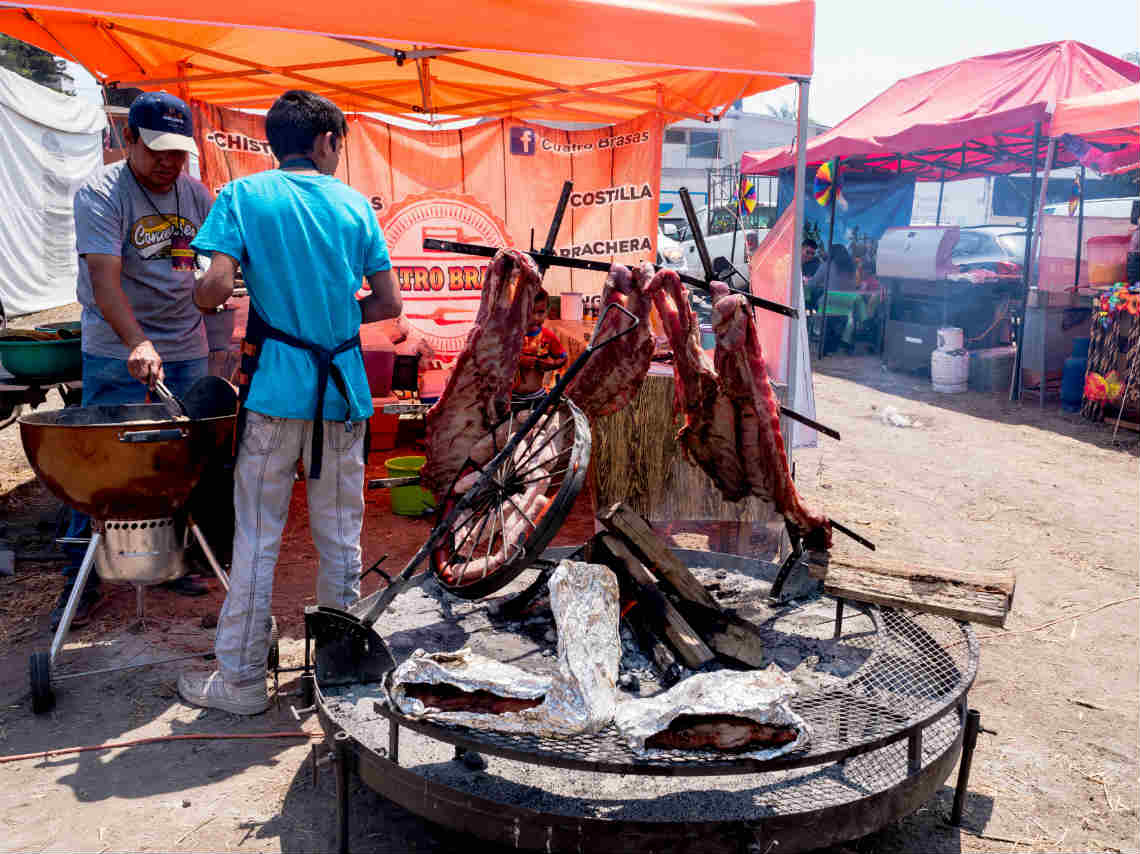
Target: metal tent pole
{"points": [[1015, 379], [941, 188], [827, 269], [1080, 229], [1035, 273], [795, 286]]}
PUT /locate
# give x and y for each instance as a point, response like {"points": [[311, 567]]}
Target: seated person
{"points": [[542, 353], [840, 278]]}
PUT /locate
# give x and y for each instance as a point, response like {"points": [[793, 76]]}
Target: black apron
{"points": [[257, 331]]}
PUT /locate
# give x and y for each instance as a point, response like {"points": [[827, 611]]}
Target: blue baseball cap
{"points": [[163, 122]]}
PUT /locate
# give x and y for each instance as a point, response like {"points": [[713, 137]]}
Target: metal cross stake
{"points": [[711, 276]]}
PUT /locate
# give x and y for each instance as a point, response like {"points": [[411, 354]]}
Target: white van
{"points": [[1119, 207]]}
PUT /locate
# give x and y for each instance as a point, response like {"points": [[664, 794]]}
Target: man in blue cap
{"points": [[134, 222]]}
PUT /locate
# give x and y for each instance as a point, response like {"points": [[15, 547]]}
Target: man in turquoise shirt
{"points": [[305, 242]]}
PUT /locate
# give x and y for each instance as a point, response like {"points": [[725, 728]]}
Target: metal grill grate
{"points": [[919, 668]]}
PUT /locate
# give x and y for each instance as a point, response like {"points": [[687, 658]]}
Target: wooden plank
{"points": [[640, 624], [676, 629], [652, 549], [976, 597], [729, 635]]}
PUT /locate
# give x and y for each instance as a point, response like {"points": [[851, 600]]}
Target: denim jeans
{"points": [[107, 382]]}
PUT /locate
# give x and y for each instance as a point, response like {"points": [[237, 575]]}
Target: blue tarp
{"points": [[873, 206]]}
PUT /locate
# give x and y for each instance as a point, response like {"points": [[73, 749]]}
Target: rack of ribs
{"points": [[477, 394], [607, 384], [732, 417]]}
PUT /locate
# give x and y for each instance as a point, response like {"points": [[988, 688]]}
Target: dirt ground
{"points": [[977, 482]]}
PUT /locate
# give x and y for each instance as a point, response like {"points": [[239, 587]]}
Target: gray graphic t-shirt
{"points": [[113, 217]]}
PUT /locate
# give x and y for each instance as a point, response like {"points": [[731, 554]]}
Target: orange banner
{"points": [[492, 184]]}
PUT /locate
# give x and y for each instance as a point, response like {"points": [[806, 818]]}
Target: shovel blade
{"points": [[345, 651]]}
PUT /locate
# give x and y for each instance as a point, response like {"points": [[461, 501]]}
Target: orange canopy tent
{"points": [[577, 60], [601, 61]]}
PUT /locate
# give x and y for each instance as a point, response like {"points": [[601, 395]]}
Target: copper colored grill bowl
{"points": [[127, 462]]}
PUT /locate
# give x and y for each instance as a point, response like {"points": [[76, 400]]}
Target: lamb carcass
{"points": [[743, 374], [708, 437], [732, 417], [477, 395], [612, 379]]}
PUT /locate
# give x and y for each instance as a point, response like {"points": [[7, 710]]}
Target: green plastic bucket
{"points": [[409, 500]]}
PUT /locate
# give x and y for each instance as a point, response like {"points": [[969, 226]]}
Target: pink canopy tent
{"points": [[1108, 119], [973, 118]]}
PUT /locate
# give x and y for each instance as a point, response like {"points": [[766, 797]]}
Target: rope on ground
{"points": [[1058, 620], [207, 736]]}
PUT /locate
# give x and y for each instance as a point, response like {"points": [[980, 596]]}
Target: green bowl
{"points": [[65, 328], [58, 361]]}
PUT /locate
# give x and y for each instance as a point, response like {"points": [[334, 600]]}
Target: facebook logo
{"points": [[523, 141]]}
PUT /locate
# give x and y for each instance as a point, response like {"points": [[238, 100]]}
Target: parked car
{"points": [[670, 253], [998, 248], [1120, 207], [721, 230]]}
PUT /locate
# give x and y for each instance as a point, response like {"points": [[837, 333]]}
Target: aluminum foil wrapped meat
{"points": [[581, 697], [585, 601], [466, 671], [756, 696]]}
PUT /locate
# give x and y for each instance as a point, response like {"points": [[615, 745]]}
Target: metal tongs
{"points": [[174, 406]]}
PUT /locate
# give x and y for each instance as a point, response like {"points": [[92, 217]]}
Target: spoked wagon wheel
{"points": [[518, 512]]}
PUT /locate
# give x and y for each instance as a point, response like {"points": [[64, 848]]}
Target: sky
{"points": [[861, 48]]}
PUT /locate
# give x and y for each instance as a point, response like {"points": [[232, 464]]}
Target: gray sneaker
{"points": [[212, 692]]}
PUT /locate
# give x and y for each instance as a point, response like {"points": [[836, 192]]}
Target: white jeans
{"points": [[263, 485]]}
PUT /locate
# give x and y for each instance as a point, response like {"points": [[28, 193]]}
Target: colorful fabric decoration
{"points": [[1122, 297], [1101, 389], [1096, 389], [1113, 387], [825, 184], [748, 197], [1075, 196]]}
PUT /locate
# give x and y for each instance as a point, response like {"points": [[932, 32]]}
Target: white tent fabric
{"points": [[49, 144], [804, 399]]}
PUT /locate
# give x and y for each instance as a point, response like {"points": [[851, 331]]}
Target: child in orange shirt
{"points": [[542, 353]]}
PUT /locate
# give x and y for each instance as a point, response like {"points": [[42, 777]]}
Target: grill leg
{"points": [[914, 752], [969, 742], [343, 753], [76, 593], [394, 741], [210, 559], [838, 619]]}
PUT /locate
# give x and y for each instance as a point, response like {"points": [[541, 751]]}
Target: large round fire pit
{"points": [[884, 694]]}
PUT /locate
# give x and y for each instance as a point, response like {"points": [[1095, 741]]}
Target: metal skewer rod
{"points": [[434, 245], [815, 425], [843, 529], [555, 226]]}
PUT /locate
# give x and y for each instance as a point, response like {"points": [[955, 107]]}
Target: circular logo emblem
{"points": [[441, 290]]}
